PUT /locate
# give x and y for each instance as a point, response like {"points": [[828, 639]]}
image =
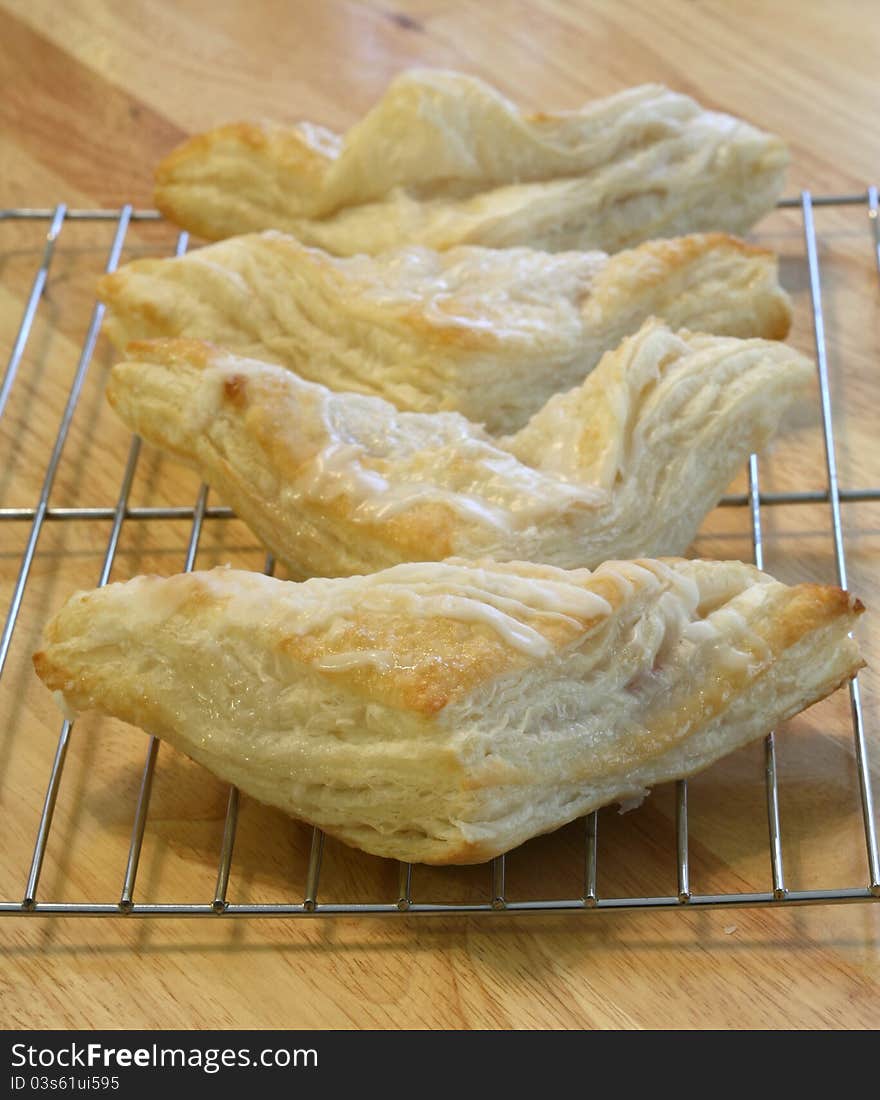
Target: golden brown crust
{"points": [[626, 275], [443, 713], [789, 615], [336, 484], [490, 333], [174, 351], [277, 153], [443, 159], [464, 852], [284, 143], [677, 254], [443, 660]]}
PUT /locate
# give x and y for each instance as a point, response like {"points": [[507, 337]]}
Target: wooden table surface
{"points": [[93, 93]]}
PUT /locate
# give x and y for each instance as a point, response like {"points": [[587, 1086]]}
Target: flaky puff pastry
{"points": [[444, 159], [337, 483], [490, 333], [446, 712]]}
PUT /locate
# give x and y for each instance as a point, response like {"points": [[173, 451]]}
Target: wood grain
{"points": [[93, 94]]}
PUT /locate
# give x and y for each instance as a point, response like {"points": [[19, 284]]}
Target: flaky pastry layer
{"points": [[444, 159], [445, 712], [626, 464], [490, 333]]}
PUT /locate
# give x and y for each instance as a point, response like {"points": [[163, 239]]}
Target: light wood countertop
{"points": [[93, 94]]}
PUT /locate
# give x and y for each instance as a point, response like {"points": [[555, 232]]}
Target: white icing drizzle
{"points": [[337, 471], [518, 635], [516, 607], [473, 595], [512, 496], [727, 620], [677, 606], [385, 462], [481, 290], [626, 575], [381, 659], [724, 627], [734, 659], [687, 588], [401, 497], [700, 631]]}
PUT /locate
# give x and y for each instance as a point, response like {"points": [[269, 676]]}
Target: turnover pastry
{"points": [[491, 333], [626, 464], [446, 712], [444, 159]]}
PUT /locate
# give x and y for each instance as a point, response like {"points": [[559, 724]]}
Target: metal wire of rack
{"points": [[589, 900]]}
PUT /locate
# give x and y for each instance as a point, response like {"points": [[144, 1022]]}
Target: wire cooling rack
{"points": [[589, 899]]}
